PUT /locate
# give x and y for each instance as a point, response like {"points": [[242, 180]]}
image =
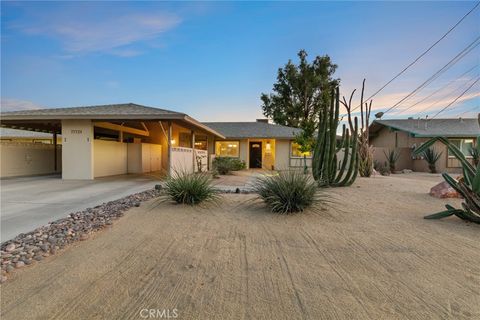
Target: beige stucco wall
{"points": [[77, 149], [144, 157], [109, 158], [388, 139], [23, 159], [282, 154]]}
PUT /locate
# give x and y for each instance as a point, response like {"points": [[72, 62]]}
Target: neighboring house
{"points": [[407, 134], [103, 140], [260, 144]]}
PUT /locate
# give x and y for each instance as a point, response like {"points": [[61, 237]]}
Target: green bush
{"points": [[289, 192], [223, 165], [190, 188]]}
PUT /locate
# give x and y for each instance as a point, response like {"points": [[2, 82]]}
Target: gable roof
{"points": [[243, 130], [424, 128]]}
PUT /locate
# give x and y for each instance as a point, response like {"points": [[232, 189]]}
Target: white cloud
{"points": [[16, 105], [111, 32]]}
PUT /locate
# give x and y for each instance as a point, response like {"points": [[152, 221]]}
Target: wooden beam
{"points": [[117, 127]]}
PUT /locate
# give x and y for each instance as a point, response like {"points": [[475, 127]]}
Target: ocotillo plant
{"points": [[365, 150], [324, 163]]}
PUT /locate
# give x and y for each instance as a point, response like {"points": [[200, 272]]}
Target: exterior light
{"points": [[172, 141]]}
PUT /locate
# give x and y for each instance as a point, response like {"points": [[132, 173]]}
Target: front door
{"points": [[255, 155]]}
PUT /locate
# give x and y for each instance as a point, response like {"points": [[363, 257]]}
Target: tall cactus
{"points": [[324, 163]]}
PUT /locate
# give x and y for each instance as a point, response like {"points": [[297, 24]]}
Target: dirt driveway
{"points": [[373, 257]]}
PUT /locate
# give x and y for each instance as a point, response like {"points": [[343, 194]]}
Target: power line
{"points": [[452, 62], [461, 95], [453, 92], [461, 87], [420, 56], [438, 90]]}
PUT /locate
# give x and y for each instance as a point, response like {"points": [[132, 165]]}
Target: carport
{"points": [[106, 140]]}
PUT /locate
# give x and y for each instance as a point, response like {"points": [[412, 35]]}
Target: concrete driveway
{"points": [[30, 202]]}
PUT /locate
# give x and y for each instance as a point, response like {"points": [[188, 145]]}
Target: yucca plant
{"points": [[392, 157], [190, 188], [431, 156], [475, 153], [289, 192], [468, 186]]}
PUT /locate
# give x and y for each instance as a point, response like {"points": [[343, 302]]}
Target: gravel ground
{"points": [[370, 256]]}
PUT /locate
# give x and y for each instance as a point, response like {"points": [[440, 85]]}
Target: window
{"points": [[463, 144], [296, 153], [201, 142], [227, 149]]}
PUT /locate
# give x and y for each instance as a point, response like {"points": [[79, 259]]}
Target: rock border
{"points": [[28, 248]]}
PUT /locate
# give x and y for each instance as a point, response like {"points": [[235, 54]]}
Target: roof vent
{"points": [[262, 120]]}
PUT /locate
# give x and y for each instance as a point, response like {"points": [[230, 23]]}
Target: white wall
{"points": [[77, 149], [109, 158], [182, 159], [23, 159]]}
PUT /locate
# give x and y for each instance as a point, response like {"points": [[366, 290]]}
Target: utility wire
{"points": [[461, 95], [452, 62], [461, 87], [438, 90], [420, 56]]}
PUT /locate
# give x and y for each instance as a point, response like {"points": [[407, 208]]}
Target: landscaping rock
{"points": [[407, 171], [444, 190], [48, 239], [9, 247]]}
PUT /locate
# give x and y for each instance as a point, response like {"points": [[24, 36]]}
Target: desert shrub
{"points": [[190, 188], [383, 169], [223, 165], [289, 192], [392, 158], [431, 156]]}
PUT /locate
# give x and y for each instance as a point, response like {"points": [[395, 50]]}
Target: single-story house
{"points": [[407, 134], [260, 144], [104, 140]]}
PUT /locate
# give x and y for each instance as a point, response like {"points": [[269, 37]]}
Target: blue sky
{"points": [[212, 60]]}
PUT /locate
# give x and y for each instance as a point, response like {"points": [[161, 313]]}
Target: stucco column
{"points": [[77, 149]]}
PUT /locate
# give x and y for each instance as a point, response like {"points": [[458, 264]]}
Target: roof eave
{"points": [[202, 126]]}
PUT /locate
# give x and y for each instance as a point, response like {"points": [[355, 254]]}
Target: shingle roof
{"points": [[253, 130], [125, 111], [14, 133], [90, 112], [431, 128]]}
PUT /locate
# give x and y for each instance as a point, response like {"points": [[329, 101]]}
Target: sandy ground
{"points": [[372, 257]]}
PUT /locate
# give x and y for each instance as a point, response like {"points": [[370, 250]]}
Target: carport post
{"points": [[55, 151], [169, 144], [193, 151]]}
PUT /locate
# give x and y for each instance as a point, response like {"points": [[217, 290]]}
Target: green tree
{"points": [[306, 141], [300, 92]]}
